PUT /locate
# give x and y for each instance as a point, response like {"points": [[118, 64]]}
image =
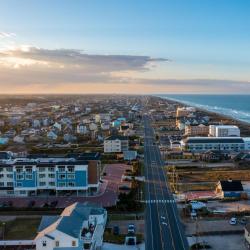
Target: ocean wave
{"points": [[236, 114]]}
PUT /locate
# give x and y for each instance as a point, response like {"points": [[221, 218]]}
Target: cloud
{"points": [[68, 58], [31, 65], [27, 68], [7, 34]]}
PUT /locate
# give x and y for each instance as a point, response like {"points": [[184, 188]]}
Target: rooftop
{"points": [[214, 140]]}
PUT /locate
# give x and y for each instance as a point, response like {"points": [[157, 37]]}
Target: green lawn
{"points": [[118, 239], [20, 228]]}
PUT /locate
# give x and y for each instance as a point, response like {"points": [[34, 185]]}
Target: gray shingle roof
{"points": [[71, 220], [115, 137], [214, 140]]}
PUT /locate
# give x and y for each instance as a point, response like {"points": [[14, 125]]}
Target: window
{"points": [[42, 183], [71, 168], [9, 184], [61, 184], [9, 176], [28, 176], [71, 184], [28, 169], [9, 169], [51, 169], [51, 183], [73, 243], [71, 176], [19, 177], [44, 243], [1, 169], [42, 175], [61, 176], [41, 169], [19, 169], [19, 184], [1, 175], [51, 176], [61, 169], [57, 243], [1, 184]]}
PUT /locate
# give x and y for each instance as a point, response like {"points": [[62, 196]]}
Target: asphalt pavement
{"points": [[163, 228]]}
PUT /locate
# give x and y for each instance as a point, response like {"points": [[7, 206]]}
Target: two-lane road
{"points": [[163, 227]]}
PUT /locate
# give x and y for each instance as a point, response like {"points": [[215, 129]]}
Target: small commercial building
{"points": [[229, 189]]}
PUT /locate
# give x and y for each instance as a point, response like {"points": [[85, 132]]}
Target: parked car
{"points": [[131, 228], [53, 203], [131, 241], [31, 203], [233, 221], [243, 221], [116, 230]]}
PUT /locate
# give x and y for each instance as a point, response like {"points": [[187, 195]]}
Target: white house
{"points": [[80, 226], [116, 144], [81, 129], [57, 126], [52, 135], [18, 139], [92, 126]]}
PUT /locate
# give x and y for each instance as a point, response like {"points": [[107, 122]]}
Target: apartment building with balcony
{"points": [[32, 176]]}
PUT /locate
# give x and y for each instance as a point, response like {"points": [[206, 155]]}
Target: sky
{"points": [[132, 46]]}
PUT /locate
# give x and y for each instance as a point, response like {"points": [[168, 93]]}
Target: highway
{"points": [[163, 228]]}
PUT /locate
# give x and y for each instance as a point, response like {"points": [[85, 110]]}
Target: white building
{"points": [[116, 144], [224, 131], [81, 129], [80, 226], [102, 118], [184, 111], [201, 144]]}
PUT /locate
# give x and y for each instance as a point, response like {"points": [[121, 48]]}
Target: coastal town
{"points": [[75, 172]]}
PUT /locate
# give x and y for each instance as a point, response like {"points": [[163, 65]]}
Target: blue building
{"points": [[31, 176]]}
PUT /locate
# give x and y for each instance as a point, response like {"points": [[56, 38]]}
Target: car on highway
{"points": [[233, 221]]}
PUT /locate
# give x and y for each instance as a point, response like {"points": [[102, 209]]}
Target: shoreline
{"points": [[215, 116]]}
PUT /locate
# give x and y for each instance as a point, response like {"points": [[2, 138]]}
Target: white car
{"points": [[131, 228], [233, 221], [197, 205]]}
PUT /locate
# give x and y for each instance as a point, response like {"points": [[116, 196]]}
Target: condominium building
{"points": [[224, 131], [201, 144], [194, 130], [184, 111], [31, 176], [116, 144]]}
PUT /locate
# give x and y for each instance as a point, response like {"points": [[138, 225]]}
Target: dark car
{"points": [[31, 203], [116, 230], [53, 203], [131, 241]]}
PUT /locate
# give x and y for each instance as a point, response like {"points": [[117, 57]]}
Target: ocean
{"points": [[236, 106]]}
